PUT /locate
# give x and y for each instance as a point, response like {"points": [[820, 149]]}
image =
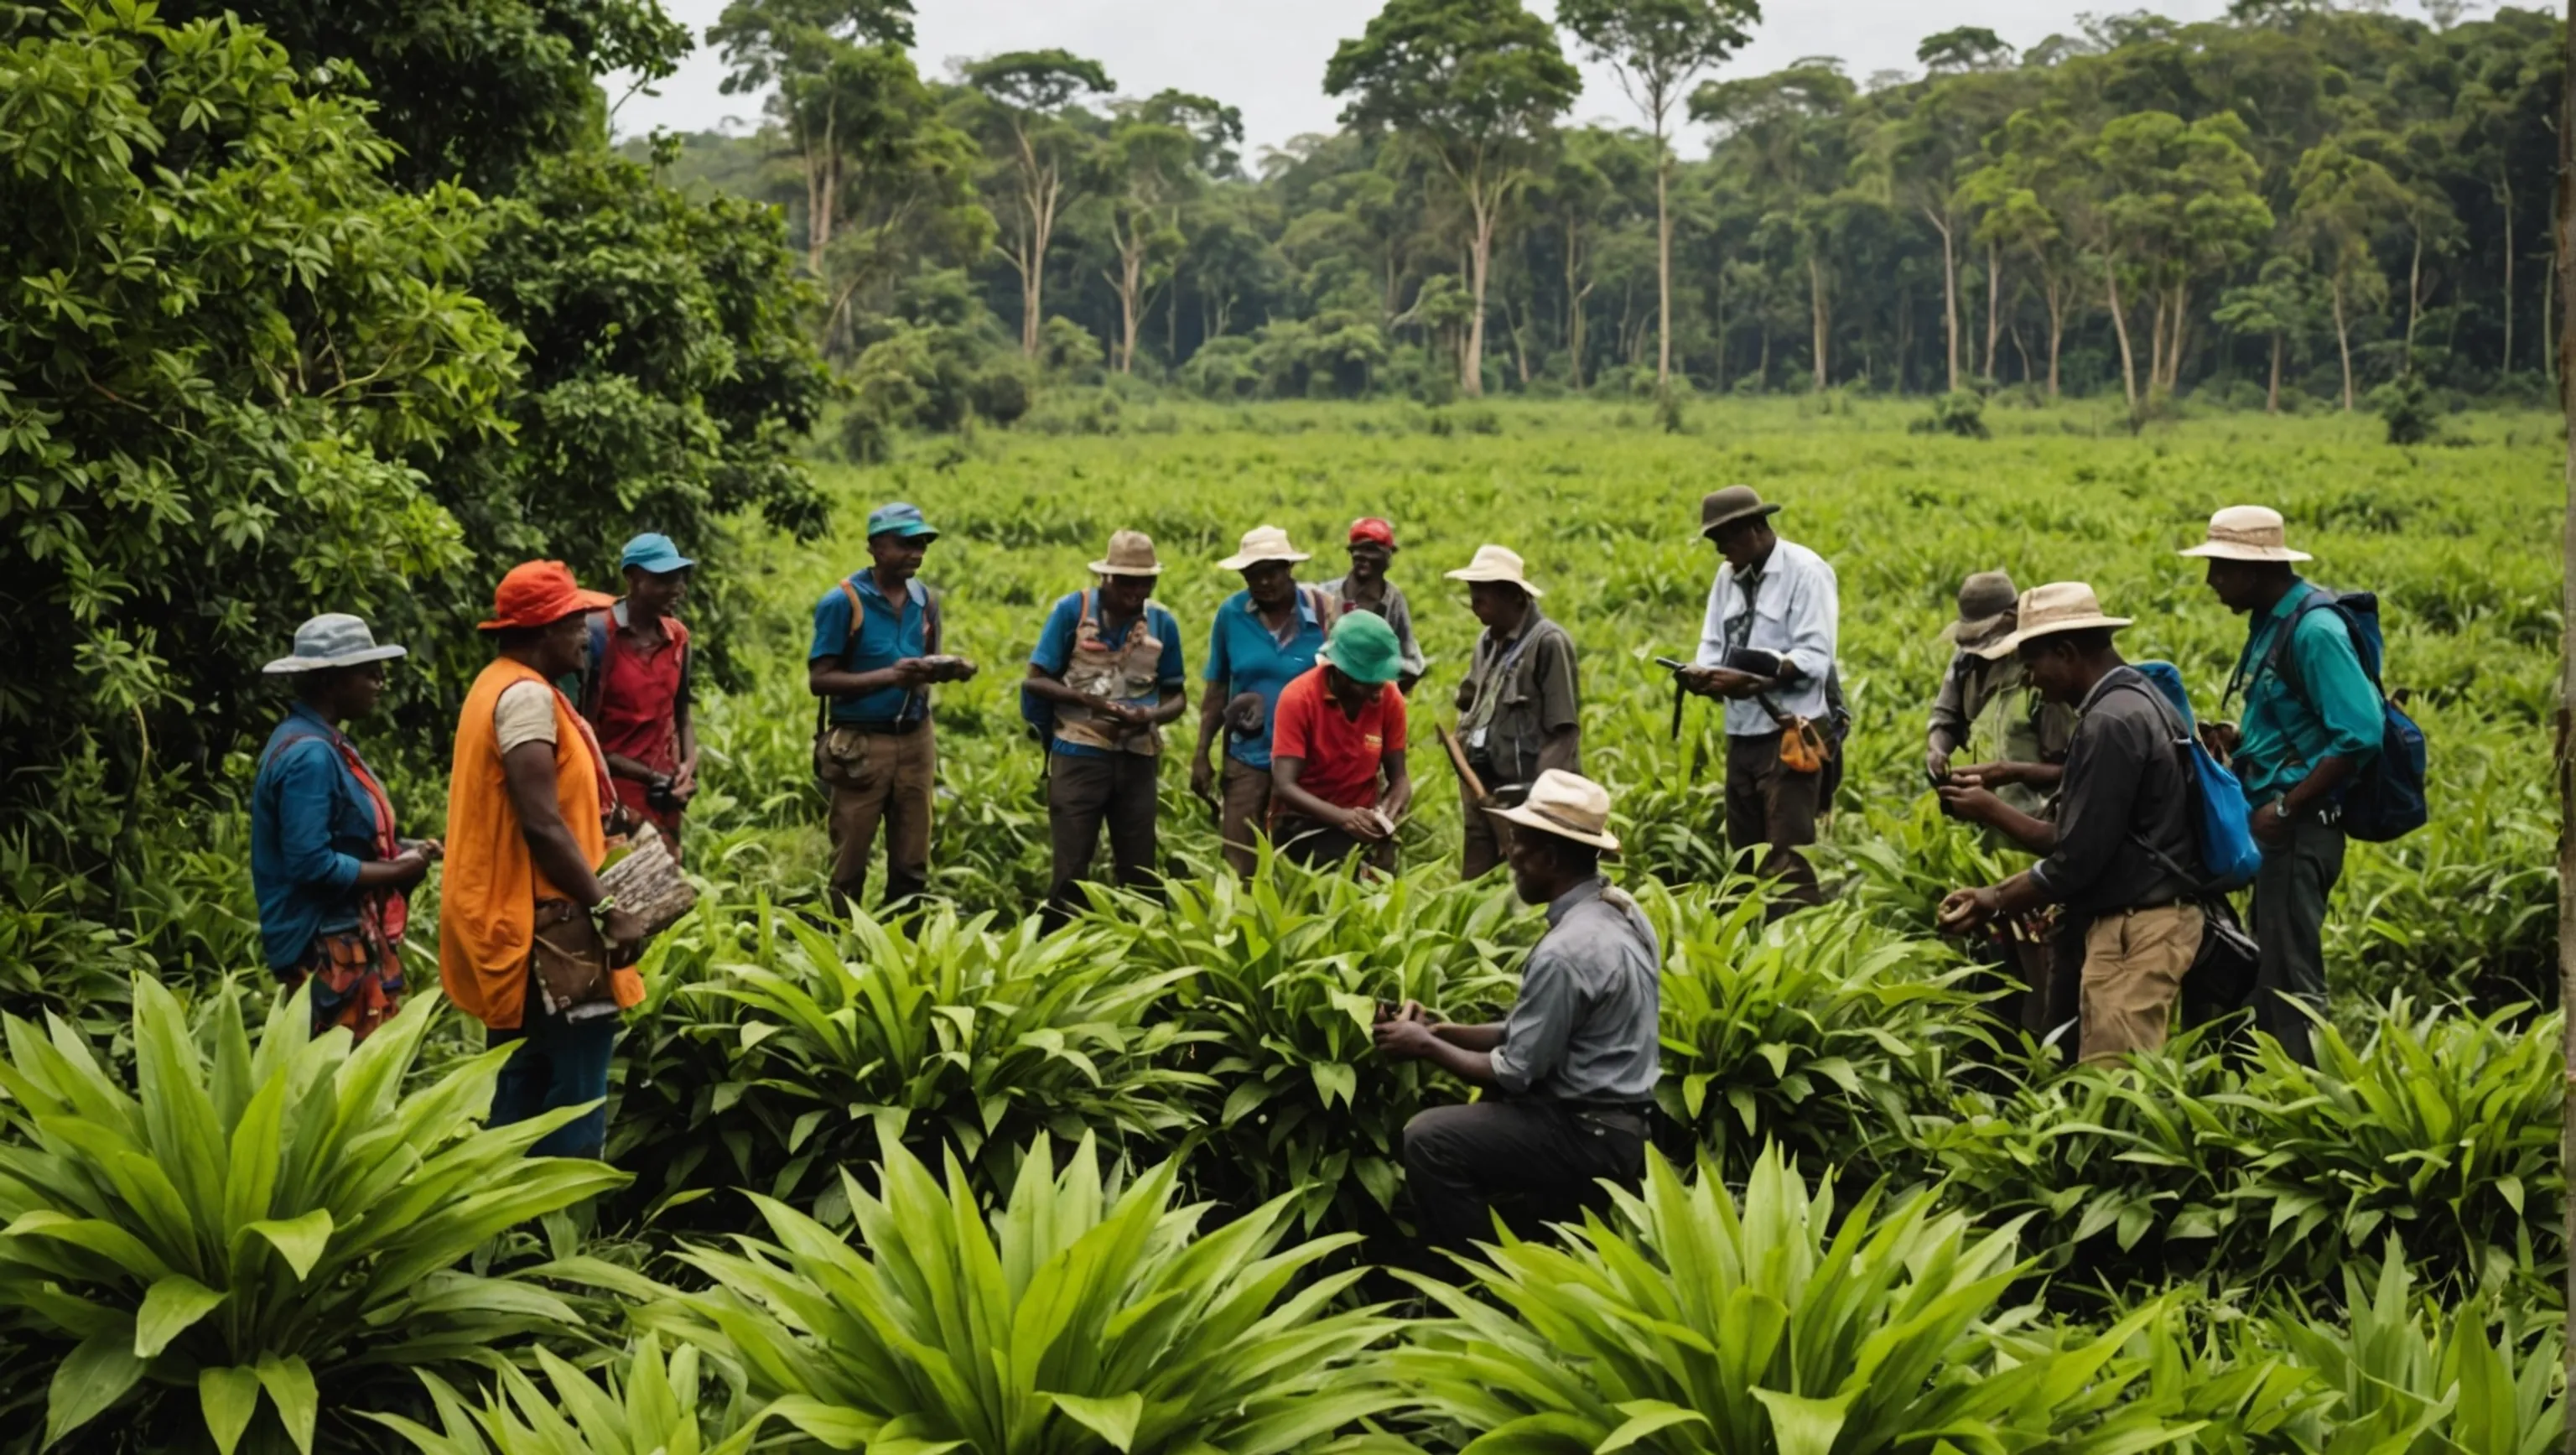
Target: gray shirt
{"points": [[1398, 615], [1584, 1025], [1518, 691], [2124, 791]]}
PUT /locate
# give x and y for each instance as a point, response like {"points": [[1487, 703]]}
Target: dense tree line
{"points": [[2296, 201]]}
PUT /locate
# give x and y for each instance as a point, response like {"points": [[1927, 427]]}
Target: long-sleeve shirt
{"points": [[1795, 608], [1399, 618], [2033, 730], [311, 827], [1519, 697], [2124, 792], [2334, 710], [1584, 1025]]}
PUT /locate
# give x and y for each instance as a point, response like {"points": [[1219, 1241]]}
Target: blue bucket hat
{"points": [[899, 519], [652, 551]]}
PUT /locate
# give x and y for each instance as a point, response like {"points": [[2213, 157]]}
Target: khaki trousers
{"points": [[2134, 962], [893, 787], [1244, 816]]}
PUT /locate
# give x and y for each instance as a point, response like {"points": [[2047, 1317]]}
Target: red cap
{"points": [[1370, 528], [540, 593]]}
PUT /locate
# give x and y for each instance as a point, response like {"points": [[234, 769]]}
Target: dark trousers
{"points": [[558, 1063], [1487, 839], [1536, 1161], [1769, 805], [2289, 914], [1084, 793]]}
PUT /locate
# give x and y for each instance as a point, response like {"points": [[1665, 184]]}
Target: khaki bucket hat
{"points": [[1131, 553], [1263, 543], [1495, 563], [2247, 533], [1566, 805], [1986, 602], [1725, 507], [2045, 611]]}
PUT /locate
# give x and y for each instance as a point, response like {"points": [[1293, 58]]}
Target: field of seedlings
{"points": [[1133, 1186]]}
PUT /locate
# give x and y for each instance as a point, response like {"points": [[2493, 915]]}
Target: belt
{"points": [[1609, 1108], [903, 728]]}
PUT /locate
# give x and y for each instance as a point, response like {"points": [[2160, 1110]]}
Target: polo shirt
{"points": [[885, 638], [1342, 754], [1243, 656], [1054, 652], [1583, 1027], [2334, 712]]}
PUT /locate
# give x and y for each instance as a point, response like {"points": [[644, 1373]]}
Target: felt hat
{"points": [[1495, 563], [1364, 648], [2247, 533], [540, 593], [1371, 528], [1131, 553], [1734, 503], [899, 519], [1566, 805], [1986, 602], [333, 639], [652, 551], [2046, 611], [1263, 543]]}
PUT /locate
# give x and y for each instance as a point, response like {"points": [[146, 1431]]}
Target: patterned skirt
{"points": [[356, 981]]}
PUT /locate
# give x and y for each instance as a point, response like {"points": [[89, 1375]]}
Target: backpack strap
{"points": [[594, 660], [849, 645], [2278, 660]]}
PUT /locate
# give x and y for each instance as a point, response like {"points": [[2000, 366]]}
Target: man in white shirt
{"points": [[1767, 649]]}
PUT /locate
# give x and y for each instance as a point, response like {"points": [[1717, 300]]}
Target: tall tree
{"points": [[807, 54], [2023, 198], [2178, 205], [1473, 82], [1657, 48], [2344, 201], [1795, 136], [2274, 307], [1152, 160], [1028, 95]]}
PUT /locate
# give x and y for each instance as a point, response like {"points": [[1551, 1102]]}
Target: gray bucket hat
{"points": [[333, 639]]}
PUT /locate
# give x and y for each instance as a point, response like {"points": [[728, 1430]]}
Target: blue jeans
{"points": [[557, 1064]]}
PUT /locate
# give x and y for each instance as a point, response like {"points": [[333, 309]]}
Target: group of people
{"points": [[579, 729]]}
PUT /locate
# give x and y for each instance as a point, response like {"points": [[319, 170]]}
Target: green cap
{"points": [[1363, 646]]}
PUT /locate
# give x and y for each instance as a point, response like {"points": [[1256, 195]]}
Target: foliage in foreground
{"points": [[652, 1408], [1071, 1316], [247, 1227]]}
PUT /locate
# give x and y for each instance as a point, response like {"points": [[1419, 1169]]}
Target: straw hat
{"points": [[1495, 563], [333, 639], [1727, 506], [1985, 609], [2046, 611], [2247, 533], [1263, 543], [1566, 805], [1131, 553]]}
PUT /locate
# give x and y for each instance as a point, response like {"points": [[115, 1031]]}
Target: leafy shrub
{"points": [[1691, 1322], [272, 1221], [1070, 1318], [2408, 409], [1960, 412], [650, 1407], [2407, 1374]]}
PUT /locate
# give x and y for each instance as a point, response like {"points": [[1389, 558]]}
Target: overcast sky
{"points": [[1267, 56]]}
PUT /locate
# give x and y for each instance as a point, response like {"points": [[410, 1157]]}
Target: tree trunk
{"points": [[2181, 334], [1823, 319], [2056, 294], [1663, 262], [1762, 370], [1480, 254], [2119, 325], [1949, 294], [1994, 304], [2564, 245], [2343, 341], [2414, 277], [2272, 395], [2504, 191]]}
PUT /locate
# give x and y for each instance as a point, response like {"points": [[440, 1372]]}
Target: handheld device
{"points": [[1670, 664]]}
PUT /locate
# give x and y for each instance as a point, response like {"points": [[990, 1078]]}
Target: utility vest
{"points": [[1128, 670]]}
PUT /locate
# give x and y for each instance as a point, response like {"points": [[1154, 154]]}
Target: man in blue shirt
{"points": [[1109, 660], [1264, 637], [875, 655], [324, 856], [2312, 716]]}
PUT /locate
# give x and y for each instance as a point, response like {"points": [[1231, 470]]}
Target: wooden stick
{"points": [[1475, 786]]}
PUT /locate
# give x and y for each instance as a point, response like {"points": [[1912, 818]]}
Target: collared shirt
{"points": [[1584, 1025], [1795, 608], [2034, 730], [2333, 712], [1398, 614], [1244, 655], [1343, 753], [1520, 689], [311, 827], [1054, 653], [886, 637], [2124, 785]]}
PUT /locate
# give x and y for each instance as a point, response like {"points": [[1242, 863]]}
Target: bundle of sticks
{"points": [[647, 882]]}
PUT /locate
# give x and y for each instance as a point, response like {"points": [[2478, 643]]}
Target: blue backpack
{"points": [[2383, 798], [2228, 854]]}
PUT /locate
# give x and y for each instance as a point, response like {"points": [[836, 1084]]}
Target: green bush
{"points": [[650, 1408]]}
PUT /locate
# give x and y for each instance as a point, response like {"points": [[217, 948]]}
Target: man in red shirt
{"points": [[1338, 784]]}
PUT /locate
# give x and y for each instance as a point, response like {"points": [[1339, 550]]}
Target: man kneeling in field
{"points": [[1570, 1075]]}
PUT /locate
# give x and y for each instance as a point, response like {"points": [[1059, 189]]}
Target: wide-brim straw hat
{"points": [[1495, 563], [1986, 602], [1263, 543], [2247, 533], [2047, 611], [1725, 507], [1131, 553], [1567, 805], [333, 639]]}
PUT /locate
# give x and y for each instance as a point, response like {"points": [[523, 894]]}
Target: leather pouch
{"points": [[570, 959]]}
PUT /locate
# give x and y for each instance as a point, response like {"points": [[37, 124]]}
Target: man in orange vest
{"points": [[526, 935]]}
